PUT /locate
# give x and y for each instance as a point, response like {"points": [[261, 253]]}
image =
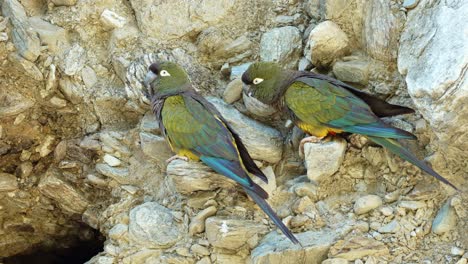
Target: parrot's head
{"points": [[166, 77], [264, 81]]}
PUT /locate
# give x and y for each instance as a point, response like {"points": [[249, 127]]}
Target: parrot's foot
{"points": [[176, 157], [311, 139]]}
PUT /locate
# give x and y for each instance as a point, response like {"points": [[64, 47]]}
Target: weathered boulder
{"points": [[262, 142], [282, 45], [433, 57], [153, 224], [320, 166]]}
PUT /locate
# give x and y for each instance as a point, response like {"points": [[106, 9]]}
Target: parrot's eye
{"points": [[164, 73], [257, 80]]}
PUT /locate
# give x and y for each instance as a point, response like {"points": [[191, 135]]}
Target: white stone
{"points": [[327, 43], [64, 2], [323, 159], [262, 142], [445, 220], [58, 102], [335, 261], [355, 71], [256, 107], [173, 19], [232, 233], [391, 227], [55, 37], [26, 40], [233, 91], [8, 182], [111, 19], [367, 203], [154, 225], [111, 160], [73, 60], [434, 57], [275, 248], [282, 45], [381, 30]]}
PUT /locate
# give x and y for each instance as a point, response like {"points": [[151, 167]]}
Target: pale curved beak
{"points": [[246, 89], [150, 77]]}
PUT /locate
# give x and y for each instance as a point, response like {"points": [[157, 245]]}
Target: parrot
{"points": [[195, 130], [321, 106]]}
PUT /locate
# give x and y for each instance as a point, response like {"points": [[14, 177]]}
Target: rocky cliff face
{"points": [[80, 150]]}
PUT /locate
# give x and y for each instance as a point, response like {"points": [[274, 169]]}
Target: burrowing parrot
{"points": [[195, 130], [321, 105]]}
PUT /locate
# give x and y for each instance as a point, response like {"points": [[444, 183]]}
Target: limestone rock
{"points": [[149, 123], [55, 37], [73, 60], [67, 197], [382, 30], [25, 65], [355, 71], [275, 248], [153, 224], [282, 45], [445, 220], [155, 146], [64, 2], [197, 224], [262, 142], [357, 247], [410, 4], [238, 70], [174, 19], [233, 91], [433, 56], [232, 233], [72, 90], [121, 175], [26, 41], [111, 19], [219, 45], [391, 227], [191, 176], [320, 166], [335, 261], [367, 203], [327, 43], [256, 107], [111, 160], [8, 182]]}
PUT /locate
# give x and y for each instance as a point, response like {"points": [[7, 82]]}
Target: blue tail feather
{"points": [[396, 148]]}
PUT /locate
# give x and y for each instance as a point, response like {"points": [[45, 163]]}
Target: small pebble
{"points": [[111, 160], [367, 203], [456, 251]]}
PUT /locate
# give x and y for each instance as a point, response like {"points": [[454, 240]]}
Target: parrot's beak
{"points": [[150, 77], [246, 89]]}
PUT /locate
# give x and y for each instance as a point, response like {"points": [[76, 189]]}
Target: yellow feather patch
{"points": [[189, 154]]}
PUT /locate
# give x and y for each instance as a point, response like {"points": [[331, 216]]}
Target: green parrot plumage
{"points": [[195, 130], [321, 105]]}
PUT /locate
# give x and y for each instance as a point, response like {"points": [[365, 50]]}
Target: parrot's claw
{"points": [[177, 157], [310, 139]]}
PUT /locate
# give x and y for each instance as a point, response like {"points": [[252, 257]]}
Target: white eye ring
{"points": [[164, 73], [257, 80]]}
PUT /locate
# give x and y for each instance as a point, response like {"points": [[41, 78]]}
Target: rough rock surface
{"points": [[82, 159]]}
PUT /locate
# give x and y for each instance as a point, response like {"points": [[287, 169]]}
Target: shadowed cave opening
{"points": [[71, 249]]}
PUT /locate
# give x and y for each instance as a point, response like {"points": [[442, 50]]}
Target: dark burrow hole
{"points": [[71, 249]]}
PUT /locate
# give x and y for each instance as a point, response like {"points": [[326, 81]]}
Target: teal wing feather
{"points": [[336, 107], [189, 125]]}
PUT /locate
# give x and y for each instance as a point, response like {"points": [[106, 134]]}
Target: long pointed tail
{"points": [[269, 211], [395, 147]]}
